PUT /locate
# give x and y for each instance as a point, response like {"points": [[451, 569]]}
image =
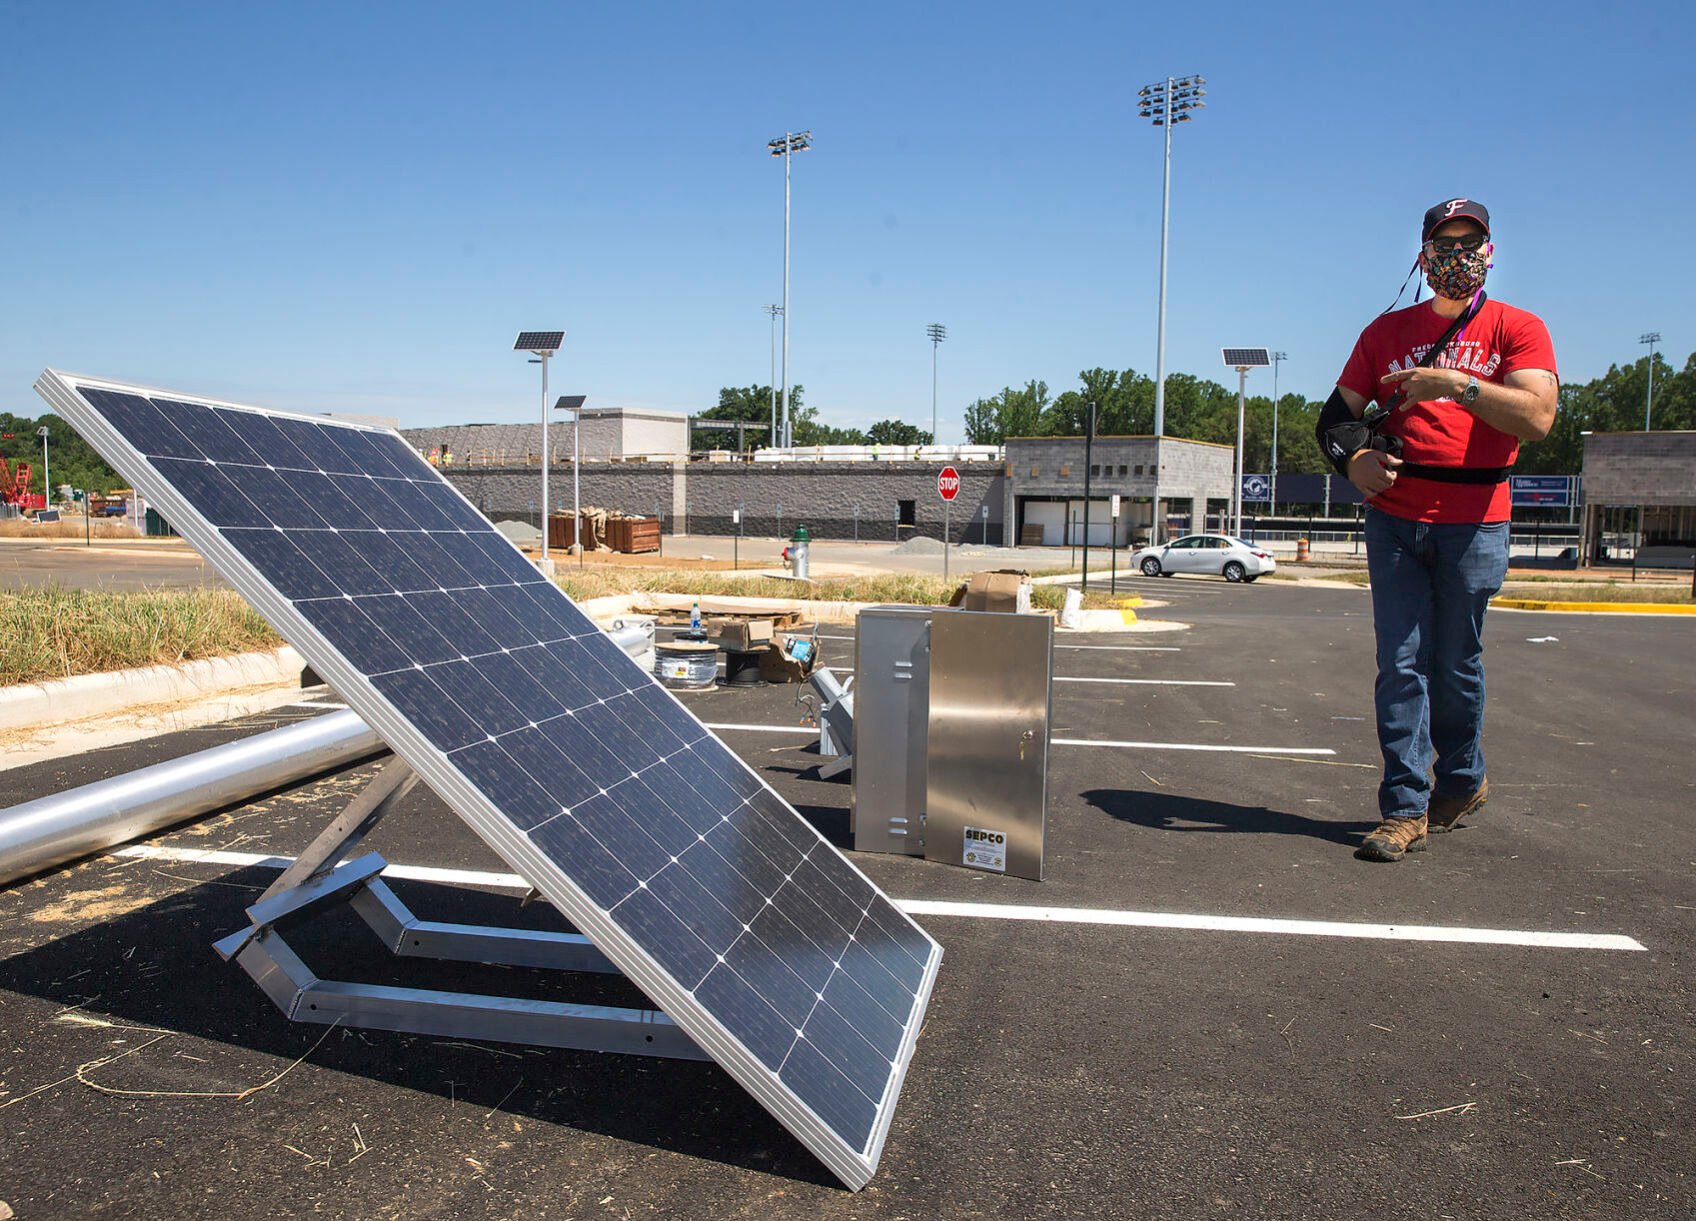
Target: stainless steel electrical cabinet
{"points": [[951, 725], [891, 715]]}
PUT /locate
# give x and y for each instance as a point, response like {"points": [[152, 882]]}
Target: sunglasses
{"points": [[1464, 241]]}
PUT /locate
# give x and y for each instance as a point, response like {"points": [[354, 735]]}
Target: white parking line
{"points": [[1007, 911], [1257, 924], [1125, 648], [1208, 746], [1149, 682], [762, 728]]}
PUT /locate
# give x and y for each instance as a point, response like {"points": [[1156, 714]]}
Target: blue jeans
{"points": [[1431, 582]]}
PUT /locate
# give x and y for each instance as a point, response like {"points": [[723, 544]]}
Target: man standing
{"points": [[1456, 383]]}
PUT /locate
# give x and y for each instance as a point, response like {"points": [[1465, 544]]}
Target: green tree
{"points": [[71, 459], [897, 432], [1013, 412], [751, 403]]}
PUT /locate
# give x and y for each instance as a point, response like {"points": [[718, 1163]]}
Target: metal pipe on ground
{"points": [[53, 830]]}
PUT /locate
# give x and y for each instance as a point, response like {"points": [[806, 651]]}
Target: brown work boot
{"points": [[1394, 839], [1447, 811]]}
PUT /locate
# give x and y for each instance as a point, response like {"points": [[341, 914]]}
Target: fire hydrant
{"points": [[797, 550]]}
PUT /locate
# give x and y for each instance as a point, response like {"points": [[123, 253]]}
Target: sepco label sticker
{"points": [[985, 849]]}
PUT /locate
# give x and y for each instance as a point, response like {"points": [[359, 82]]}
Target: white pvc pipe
{"points": [[52, 830]]}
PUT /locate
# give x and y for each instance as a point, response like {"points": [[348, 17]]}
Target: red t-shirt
{"points": [[1498, 341]]}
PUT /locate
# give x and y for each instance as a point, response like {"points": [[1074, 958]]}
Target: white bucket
{"points": [[1070, 616], [685, 668]]}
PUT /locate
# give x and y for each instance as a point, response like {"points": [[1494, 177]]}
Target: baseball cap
{"points": [[1454, 209]]}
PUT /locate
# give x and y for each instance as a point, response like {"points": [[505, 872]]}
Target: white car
{"points": [[1214, 554]]}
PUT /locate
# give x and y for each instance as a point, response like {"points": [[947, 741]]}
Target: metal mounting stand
{"points": [[315, 882], [836, 721]]}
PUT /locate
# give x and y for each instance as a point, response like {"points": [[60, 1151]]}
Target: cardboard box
{"points": [[779, 665], [1006, 590], [741, 635]]}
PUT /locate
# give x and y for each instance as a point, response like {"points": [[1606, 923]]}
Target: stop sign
{"points": [[948, 483]]}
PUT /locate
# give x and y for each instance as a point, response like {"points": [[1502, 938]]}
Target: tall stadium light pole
{"points": [[937, 333], [542, 345], [1651, 338], [1277, 359], [786, 147], [774, 311], [1167, 103]]}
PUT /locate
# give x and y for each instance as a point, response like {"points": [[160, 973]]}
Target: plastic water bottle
{"points": [[695, 617]]}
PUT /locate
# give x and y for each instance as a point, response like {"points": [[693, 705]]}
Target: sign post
{"points": [[947, 487], [1113, 549]]}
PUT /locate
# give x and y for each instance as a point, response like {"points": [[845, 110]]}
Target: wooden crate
{"points": [[634, 534]]}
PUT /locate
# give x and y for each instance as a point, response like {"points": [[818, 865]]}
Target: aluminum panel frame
{"points": [[854, 1167]]}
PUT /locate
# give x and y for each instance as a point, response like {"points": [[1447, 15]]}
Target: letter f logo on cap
{"points": [[1455, 205]]}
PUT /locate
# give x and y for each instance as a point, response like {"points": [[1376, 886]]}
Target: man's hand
{"points": [[1421, 384], [1373, 471]]}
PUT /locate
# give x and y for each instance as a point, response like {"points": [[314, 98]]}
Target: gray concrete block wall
{"points": [[700, 496], [1640, 468]]}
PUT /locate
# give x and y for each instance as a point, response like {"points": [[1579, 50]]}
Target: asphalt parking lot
{"points": [[1210, 1055]]}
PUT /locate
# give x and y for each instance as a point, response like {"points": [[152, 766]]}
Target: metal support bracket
{"points": [[263, 952]]}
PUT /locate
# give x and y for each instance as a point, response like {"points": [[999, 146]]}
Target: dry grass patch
{"points": [[57, 633], [66, 528]]}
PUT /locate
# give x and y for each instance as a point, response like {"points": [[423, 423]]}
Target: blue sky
{"points": [[357, 206]]}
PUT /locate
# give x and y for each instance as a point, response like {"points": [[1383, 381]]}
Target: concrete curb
{"points": [[1595, 608], [91, 695]]}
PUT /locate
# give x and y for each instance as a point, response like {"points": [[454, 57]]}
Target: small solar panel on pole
{"points": [[542, 344], [1242, 360]]}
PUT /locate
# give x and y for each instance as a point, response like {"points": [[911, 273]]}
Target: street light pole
{"points": [[937, 333], [786, 147], [542, 344], [1277, 359], [1168, 103], [774, 311], [46, 471], [1651, 338]]}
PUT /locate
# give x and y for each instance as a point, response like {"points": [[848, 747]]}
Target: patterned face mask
{"points": [[1457, 274]]}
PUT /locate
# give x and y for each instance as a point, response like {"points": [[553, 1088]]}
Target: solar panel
{"points": [[777, 956], [1247, 358], [538, 341]]}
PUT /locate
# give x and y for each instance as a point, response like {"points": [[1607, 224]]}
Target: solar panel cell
{"points": [[143, 425], [822, 1086], [490, 768], [593, 868], [209, 434], [214, 493], [361, 641], [773, 952], [282, 563]]}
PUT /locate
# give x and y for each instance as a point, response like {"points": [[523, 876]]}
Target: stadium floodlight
{"points": [[1242, 360], [542, 344], [786, 146], [1167, 103], [1651, 338]]}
